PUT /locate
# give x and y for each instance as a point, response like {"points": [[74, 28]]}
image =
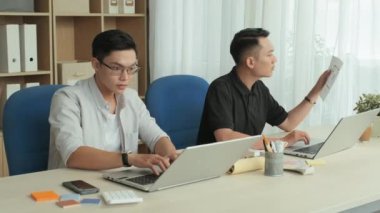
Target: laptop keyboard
{"points": [[145, 179], [310, 149]]}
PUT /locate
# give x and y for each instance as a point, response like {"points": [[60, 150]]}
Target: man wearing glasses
{"points": [[96, 124]]}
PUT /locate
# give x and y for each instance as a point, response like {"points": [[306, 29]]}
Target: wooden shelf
{"points": [[23, 14], [73, 34], [42, 19], [124, 15], [77, 14], [25, 73]]}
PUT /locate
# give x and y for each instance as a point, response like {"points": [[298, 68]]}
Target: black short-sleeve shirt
{"points": [[230, 104]]}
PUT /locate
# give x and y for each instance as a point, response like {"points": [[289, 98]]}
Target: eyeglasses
{"points": [[118, 70]]}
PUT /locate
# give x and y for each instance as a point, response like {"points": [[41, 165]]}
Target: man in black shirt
{"points": [[238, 104]]}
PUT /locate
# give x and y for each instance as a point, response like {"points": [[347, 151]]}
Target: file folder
{"points": [[127, 6], [12, 88], [111, 6], [28, 42], [71, 6], [32, 84], [9, 48], [17, 6]]}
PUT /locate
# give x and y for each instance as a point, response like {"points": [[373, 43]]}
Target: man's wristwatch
{"points": [[124, 158]]}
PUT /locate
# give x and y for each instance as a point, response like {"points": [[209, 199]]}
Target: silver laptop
{"points": [[344, 135], [194, 164]]}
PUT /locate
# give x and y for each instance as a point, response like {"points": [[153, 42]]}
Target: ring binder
{"points": [[9, 48], [28, 43]]}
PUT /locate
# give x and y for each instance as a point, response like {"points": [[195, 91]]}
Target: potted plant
{"points": [[368, 102]]}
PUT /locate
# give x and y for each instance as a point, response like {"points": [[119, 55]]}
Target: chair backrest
{"points": [[26, 129], [176, 102]]}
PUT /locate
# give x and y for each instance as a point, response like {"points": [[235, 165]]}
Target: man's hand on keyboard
{"points": [[155, 162], [296, 136], [292, 138]]}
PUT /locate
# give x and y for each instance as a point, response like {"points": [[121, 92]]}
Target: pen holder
{"points": [[274, 164]]}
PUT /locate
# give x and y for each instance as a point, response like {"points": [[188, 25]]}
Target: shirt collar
{"points": [[239, 84], [99, 97]]}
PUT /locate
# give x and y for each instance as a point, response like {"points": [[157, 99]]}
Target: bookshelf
{"points": [[74, 30], [41, 17]]}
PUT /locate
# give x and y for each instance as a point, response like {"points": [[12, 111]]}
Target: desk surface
{"points": [[348, 179]]}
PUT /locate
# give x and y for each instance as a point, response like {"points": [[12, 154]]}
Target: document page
{"points": [[335, 66]]}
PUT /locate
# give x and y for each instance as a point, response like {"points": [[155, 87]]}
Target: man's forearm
{"points": [[164, 147], [94, 159], [228, 134], [296, 115]]}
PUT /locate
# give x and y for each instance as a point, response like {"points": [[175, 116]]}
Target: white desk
{"points": [[349, 178]]}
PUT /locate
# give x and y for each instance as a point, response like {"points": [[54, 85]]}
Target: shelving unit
{"points": [[42, 19], [44, 75], [74, 31]]}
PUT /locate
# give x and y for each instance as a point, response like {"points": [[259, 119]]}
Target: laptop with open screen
{"points": [[344, 135], [195, 163]]}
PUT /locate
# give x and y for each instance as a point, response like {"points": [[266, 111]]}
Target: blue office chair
{"points": [[26, 129], [176, 102]]}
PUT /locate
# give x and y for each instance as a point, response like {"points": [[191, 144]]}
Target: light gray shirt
{"points": [[78, 115]]}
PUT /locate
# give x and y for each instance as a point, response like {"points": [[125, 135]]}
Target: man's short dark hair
{"points": [[106, 42], [245, 40]]}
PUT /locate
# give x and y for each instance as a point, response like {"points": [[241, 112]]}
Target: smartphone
{"points": [[80, 187]]}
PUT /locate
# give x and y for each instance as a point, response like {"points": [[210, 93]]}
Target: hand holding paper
{"points": [[334, 67]]}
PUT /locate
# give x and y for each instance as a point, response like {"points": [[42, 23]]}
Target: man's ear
{"points": [[95, 64], [250, 62]]}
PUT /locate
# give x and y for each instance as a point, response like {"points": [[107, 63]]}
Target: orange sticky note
{"points": [[67, 203], [44, 196]]}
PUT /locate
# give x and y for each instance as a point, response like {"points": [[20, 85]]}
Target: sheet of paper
{"points": [[298, 165], [335, 66]]}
